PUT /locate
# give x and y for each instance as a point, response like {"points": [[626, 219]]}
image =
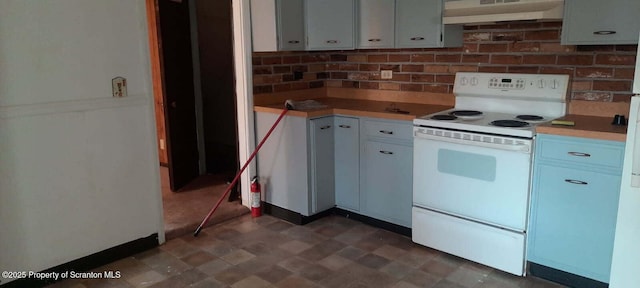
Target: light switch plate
{"points": [[119, 87]]}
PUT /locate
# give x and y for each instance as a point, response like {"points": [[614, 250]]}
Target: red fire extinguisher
{"points": [[256, 210]]}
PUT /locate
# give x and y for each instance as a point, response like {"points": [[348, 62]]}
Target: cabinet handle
{"points": [[332, 41], [417, 38], [604, 32], [293, 42], [325, 127], [374, 40], [579, 154], [386, 132], [344, 126], [386, 152], [575, 182]]}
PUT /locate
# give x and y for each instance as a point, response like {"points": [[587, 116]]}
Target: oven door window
{"points": [[479, 183], [470, 165]]}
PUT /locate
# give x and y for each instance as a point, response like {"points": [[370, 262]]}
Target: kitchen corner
{"points": [[355, 154]]}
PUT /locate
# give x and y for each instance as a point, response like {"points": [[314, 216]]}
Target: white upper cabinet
{"points": [[277, 25], [593, 22], [376, 21], [291, 24], [330, 24], [419, 25], [264, 34]]}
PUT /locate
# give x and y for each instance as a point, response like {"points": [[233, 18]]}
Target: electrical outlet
{"points": [[119, 87], [386, 74]]}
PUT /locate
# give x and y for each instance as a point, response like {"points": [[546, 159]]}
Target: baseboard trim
{"points": [[291, 216], [564, 278], [299, 219], [92, 261], [374, 222]]}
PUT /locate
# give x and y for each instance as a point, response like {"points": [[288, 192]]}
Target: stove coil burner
{"points": [[444, 117], [529, 117], [509, 123], [463, 113]]}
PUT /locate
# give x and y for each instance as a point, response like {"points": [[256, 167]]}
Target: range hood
{"points": [[492, 11]]}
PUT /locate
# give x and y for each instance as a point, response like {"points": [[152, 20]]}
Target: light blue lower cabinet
{"points": [[322, 164], [362, 165], [347, 163], [574, 206], [386, 181]]}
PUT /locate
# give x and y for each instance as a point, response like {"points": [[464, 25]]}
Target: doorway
{"points": [[194, 89]]}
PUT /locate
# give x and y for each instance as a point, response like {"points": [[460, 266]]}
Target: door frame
{"points": [[244, 91], [243, 77]]}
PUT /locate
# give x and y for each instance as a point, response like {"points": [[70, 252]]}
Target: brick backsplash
{"points": [[598, 72]]}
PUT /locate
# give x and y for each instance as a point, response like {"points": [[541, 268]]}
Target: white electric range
{"points": [[472, 166]]}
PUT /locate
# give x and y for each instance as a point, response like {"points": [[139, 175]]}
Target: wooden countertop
{"points": [[595, 127], [359, 107]]}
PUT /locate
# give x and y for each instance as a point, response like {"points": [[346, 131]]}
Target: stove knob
{"points": [[465, 81], [554, 84], [474, 81], [541, 83]]}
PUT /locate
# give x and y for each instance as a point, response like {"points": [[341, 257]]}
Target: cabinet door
{"points": [[282, 163], [573, 219], [264, 33], [601, 22], [291, 24], [418, 23], [347, 163], [387, 182], [376, 20], [330, 24], [322, 165]]}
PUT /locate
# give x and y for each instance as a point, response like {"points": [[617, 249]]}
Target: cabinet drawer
{"points": [[393, 130], [601, 153]]}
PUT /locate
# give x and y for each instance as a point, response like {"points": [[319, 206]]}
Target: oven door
{"points": [[478, 177]]}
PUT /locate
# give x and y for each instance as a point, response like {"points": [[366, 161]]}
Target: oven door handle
{"points": [[508, 147]]}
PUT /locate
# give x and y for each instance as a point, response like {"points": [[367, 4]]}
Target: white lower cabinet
{"points": [[295, 165]]}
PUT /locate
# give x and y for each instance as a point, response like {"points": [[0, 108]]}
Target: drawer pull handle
{"points": [[386, 152], [344, 126], [578, 182], [386, 132], [332, 41], [325, 127], [374, 40], [293, 41], [417, 38], [604, 32], [579, 154]]}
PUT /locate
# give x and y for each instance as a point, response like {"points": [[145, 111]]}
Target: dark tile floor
{"points": [[330, 252], [184, 210]]}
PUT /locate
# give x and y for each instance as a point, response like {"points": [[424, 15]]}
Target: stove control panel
{"points": [[507, 83], [548, 86]]}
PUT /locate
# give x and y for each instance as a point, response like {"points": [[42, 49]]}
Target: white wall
{"points": [[78, 168]]}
